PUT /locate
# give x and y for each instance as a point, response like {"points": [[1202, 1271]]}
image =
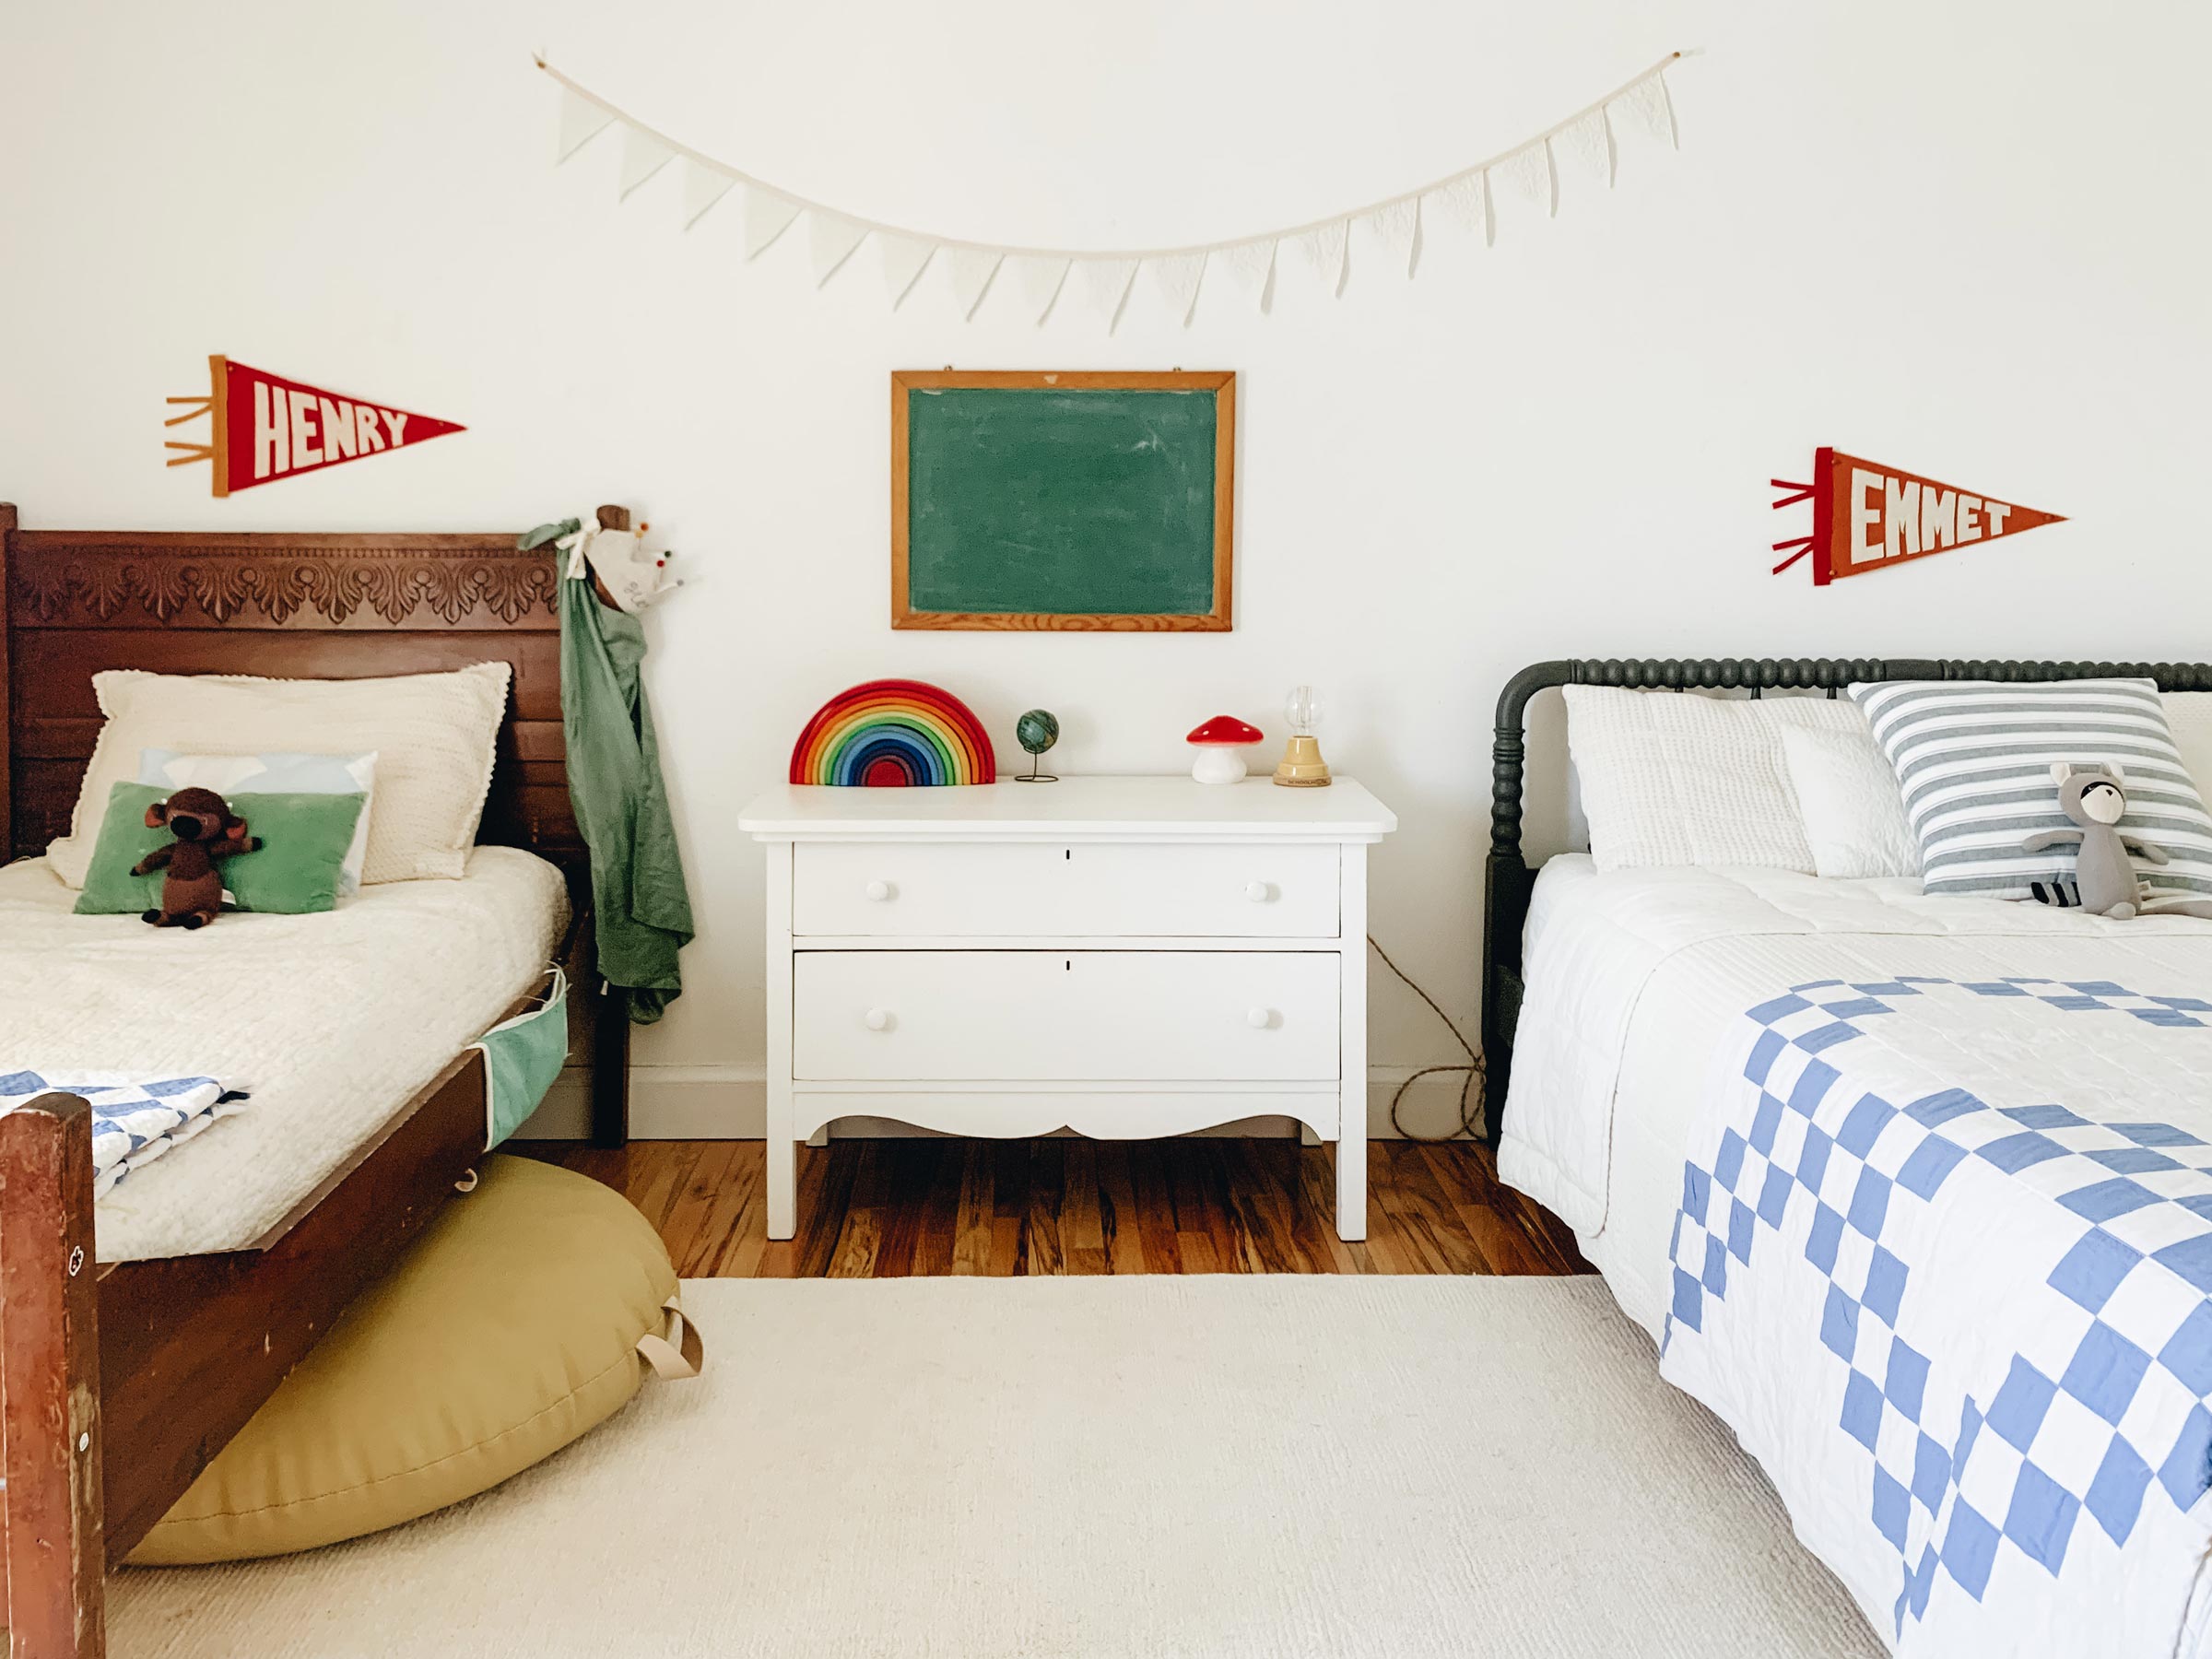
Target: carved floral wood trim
{"points": [[98, 583]]}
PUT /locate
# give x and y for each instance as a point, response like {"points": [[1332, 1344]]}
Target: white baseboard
{"points": [[730, 1102]]}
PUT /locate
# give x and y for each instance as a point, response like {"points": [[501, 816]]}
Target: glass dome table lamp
{"points": [[1303, 767]]}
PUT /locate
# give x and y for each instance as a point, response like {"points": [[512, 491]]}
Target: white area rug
{"points": [[969, 1468]]}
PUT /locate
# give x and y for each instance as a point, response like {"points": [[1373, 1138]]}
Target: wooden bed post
{"points": [[49, 1382], [7, 782]]}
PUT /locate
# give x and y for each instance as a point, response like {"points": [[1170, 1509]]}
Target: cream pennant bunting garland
{"points": [[1459, 204], [580, 120], [1107, 283], [1587, 147], [1250, 266], [832, 237], [1178, 275], [1042, 280], [1587, 142], [1530, 174], [767, 217], [903, 260], [1397, 226], [702, 188], [1328, 249], [643, 156], [972, 270]]}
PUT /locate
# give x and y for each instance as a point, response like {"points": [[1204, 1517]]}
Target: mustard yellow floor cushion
{"points": [[529, 1311]]}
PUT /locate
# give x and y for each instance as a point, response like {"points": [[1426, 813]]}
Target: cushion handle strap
{"points": [[674, 1350]]}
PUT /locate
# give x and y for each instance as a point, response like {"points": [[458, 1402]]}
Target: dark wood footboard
{"points": [[49, 1394]]}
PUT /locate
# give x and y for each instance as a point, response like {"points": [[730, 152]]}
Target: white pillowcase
{"points": [[2189, 713], [1675, 779], [435, 735], [1848, 801], [276, 774]]}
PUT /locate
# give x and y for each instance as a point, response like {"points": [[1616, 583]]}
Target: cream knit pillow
{"points": [[1689, 779], [435, 735]]}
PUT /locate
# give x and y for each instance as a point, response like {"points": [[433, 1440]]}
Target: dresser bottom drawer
{"points": [[1100, 1015]]}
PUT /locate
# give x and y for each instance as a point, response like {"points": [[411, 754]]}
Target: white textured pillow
{"points": [[1847, 798], [435, 735], [1670, 779], [2190, 715]]}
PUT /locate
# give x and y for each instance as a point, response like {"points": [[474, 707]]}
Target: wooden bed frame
{"points": [[165, 1361], [1508, 881]]}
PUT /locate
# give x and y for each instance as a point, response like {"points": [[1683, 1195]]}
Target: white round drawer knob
{"points": [[877, 1019], [1259, 892], [1259, 1019], [877, 890]]}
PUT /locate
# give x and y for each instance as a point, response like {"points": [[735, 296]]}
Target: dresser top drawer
{"points": [[1042, 890], [1074, 809]]}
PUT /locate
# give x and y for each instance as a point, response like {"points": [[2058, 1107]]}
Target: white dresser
{"points": [[1124, 957]]}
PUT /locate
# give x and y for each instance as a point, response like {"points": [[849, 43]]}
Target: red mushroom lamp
{"points": [[1216, 742]]}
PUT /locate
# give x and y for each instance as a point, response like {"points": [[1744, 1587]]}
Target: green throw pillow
{"points": [[297, 868]]}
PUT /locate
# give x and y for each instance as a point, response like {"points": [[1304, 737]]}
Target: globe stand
{"points": [[1036, 732]]}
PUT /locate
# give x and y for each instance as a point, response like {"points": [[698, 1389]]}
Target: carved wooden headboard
{"points": [[73, 602]]}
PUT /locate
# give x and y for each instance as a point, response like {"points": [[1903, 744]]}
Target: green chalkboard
{"points": [[1072, 500]]}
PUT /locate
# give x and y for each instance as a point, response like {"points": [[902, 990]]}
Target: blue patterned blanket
{"points": [[135, 1120], [1944, 1262]]}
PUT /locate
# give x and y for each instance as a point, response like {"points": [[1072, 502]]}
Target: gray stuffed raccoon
{"points": [[2103, 871]]}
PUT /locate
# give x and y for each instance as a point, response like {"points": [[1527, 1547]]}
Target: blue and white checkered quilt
{"points": [[135, 1120], [1968, 1333]]}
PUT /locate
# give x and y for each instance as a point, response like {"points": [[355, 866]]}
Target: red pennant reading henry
{"points": [[1868, 517], [267, 428]]}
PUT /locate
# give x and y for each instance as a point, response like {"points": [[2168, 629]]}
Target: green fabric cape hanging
{"points": [[641, 910]]}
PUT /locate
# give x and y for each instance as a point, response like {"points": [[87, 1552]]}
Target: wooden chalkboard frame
{"points": [[1221, 382]]}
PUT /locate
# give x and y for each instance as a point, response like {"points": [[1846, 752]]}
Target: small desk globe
{"points": [[1036, 732]]}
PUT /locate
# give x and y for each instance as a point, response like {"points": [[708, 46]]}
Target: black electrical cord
{"points": [[1471, 1092]]}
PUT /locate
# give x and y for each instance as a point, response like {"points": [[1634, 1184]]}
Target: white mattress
{"points": [[331, 1022], [1633, 976]]}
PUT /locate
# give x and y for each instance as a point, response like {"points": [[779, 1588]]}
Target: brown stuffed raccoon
{"points": [[205, 831]]}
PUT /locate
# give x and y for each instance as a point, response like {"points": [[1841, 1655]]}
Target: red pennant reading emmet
{"points": [[267, 428], [1868, 517]]}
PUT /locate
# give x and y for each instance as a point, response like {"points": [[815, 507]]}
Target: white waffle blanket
{"points": [[1919, 1192], [329, 1022]]}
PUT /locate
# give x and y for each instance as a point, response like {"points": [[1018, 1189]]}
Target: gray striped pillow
{"points": [[1973, 761]]}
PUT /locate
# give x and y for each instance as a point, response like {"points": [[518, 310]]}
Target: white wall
{"points": [[1965, 238]]}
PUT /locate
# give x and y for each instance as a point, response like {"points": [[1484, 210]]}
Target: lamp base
{"points": [[1303, 767]]}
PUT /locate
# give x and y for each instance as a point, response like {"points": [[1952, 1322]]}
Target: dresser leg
{"points": [[782, 1146], [1351, 1092], [783, 1183], [1351, 1186]]}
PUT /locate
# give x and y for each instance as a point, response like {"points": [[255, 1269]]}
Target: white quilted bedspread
{"points": [[1918, 1193], [1634, 978], [331, 1022]]}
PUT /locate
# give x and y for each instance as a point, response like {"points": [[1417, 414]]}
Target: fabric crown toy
{"points": [[2103, 871], [613, 555], [206, 830]]}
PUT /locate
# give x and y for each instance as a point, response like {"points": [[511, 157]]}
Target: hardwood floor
{"points": [[889, 1208]]}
